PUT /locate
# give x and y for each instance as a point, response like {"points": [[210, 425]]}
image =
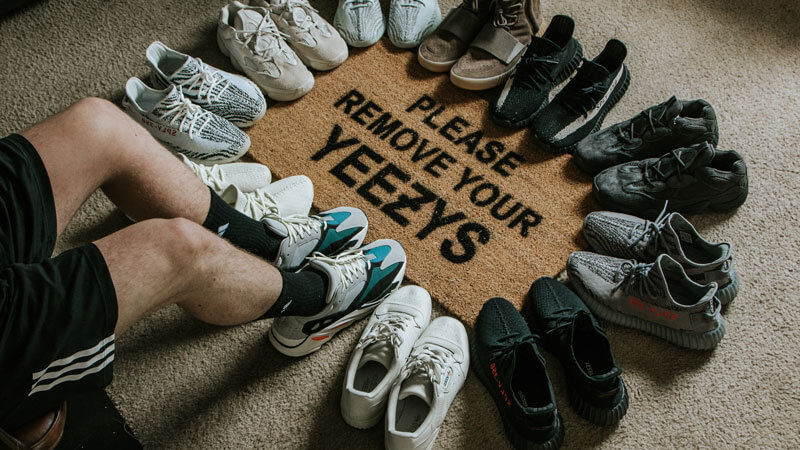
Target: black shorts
{"points": [[57, 315]]}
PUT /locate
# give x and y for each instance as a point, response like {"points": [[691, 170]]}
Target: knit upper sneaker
{"points": [[360, 22], [693, 180], [499, 46], [626, 236], [658, 298], [507, 361], [248, 177], [596, 389], [227, 95], [651, 133], [442, 48], [314, 40], [183, 126], [549, 60], [579, 109], [411, 21]]}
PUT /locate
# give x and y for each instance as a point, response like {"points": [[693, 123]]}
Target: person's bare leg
{"points": [[158, 262], [93, 144]]}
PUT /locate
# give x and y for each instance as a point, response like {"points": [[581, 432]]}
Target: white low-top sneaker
{"points": [[246, 176], [183, 126], [314, 40], [380, 354], [411, 21], [429, 381], [229, 96], [360, 22], [358, 280], [249, 36], [288, 197]]}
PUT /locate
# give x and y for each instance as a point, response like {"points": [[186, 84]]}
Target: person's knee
{"points": [[187, 240], [98, 117]]}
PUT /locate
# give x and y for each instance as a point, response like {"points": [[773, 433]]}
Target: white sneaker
{"points": [[246, 176], [183, 126], [256, 47], [227, 95], [380, 354], [358, 280], [411, 21], [314, 40], [360, 22], [288, 197], [430, 380]]}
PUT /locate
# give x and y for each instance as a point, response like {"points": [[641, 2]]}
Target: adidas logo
{"points": [[222, 229]]}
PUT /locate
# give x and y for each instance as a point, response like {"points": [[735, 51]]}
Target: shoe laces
{"points": [[388, 330], [507, 13], [536, 71], [205, 80], [350, 265], [634, 276], [309, 18], [211, 176], [266, 32], [189, 117], [356, 4], [650, 230], [428, 361], [668, 165], [581, 100], [647, 121]]}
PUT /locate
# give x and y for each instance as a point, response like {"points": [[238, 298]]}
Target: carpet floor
{"points": [[183, 384]]}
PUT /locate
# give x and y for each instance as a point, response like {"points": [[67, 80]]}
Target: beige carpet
{"points": [[183, 384]]}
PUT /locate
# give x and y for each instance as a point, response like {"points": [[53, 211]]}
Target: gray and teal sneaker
{"points": [[358, 281], [630, 237], [658, 298]]}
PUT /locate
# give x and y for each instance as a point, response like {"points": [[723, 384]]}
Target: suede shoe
{"points": [[507, 361], [442, 48], [651, 133], [570, 332]]}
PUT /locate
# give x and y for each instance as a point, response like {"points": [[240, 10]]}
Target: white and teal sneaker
{"points": [[411, 21], [360, 22], [358, 280]]}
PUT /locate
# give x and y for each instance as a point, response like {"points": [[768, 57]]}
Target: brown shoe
{"points": [[498, 47], [450, 41]]}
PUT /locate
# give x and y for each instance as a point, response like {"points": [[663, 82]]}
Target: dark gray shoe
{"points": [[657, 298], [651, 133], [693, 180], [630, 237]]}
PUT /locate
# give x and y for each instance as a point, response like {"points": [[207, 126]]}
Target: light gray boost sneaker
{"points": [[658, 298], [626, 236]]}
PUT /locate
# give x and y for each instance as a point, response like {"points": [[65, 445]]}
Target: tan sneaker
{"points": [[498, 47], [450, 41]]}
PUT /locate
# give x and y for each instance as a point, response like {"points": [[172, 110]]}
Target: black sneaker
{"points": [[579, 109], [549, 60], [507, 361], [693, 180], [570, 332], [651, 133]]}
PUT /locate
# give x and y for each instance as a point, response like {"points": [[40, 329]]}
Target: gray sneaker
{"points": [[658, 298], [693, 179], [625, 236]]}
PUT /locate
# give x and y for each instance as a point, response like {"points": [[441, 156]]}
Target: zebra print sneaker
{"points": [[227, 95], [183, 126]]}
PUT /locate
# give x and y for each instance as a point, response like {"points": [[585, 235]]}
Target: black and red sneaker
{"points": [[507, 361]]}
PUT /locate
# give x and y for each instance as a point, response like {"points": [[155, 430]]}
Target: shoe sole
{"points": [[562, 76], [480, 84], [598, 416], [324, 65], [517, 440], [694, 341], [434, 66], [729, 292]]}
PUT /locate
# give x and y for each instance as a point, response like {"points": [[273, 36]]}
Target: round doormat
{"points": [[480, 211]]}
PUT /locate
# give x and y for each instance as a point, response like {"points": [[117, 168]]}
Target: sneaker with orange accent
{"points": [[358, 280]]}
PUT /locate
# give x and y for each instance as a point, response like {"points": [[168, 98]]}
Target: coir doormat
{"points": [[480, 211]]}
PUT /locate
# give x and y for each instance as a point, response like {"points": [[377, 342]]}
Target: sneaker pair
{"points": [[507, 360], [361, 22], [481, 41], [407, 366], [272, 42], [194, 109]]}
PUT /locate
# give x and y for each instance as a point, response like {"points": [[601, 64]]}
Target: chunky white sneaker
{"points": [[326, 233], [358, 280], [314, 40], [286, 197], [251, 39], [411, 21], [227, 95], [360, 22], [183, 126], [430, 380], [246, 176], [380, 354]]}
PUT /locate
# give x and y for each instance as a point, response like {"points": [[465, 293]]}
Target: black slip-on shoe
{"points": [[570, 332]]}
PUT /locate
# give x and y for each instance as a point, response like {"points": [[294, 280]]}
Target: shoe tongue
{"points": [[418, 386], [673, 108], [593, 72], [188, 69], [542, 46], [690, 158], [247, 20], [380, 352]]}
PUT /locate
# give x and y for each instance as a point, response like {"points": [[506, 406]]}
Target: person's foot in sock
{"points": [[303, 294]]}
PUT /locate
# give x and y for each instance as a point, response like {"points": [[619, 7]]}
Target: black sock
{"points": [[303, 294], [240, 230]]}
